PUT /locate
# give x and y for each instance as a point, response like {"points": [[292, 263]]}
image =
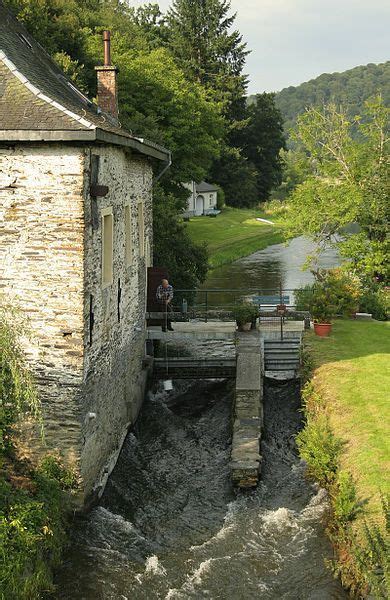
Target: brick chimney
{"points": [[107, 86]]}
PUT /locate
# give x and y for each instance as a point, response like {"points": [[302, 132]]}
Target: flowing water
{"points": [[171, 526]]}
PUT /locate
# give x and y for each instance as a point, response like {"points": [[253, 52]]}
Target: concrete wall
{"points": [[113, 374], [41, 272]]}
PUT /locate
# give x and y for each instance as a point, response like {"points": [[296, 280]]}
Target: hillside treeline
{"points": [[350, 90]]}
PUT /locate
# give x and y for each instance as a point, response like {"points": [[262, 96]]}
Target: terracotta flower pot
{"points": [[322, 329]]}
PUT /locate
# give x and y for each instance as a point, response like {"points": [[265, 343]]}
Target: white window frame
{"points": [[107, 281], [128, 235]]}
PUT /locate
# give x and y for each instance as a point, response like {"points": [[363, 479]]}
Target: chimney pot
{"points": [[107, 47], [107, 81]]}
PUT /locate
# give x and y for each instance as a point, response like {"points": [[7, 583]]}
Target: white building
{"points": [[202, 200]]}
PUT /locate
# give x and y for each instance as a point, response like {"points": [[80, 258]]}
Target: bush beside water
{"points": [[362, 557], [336, 292], [33, 503]]}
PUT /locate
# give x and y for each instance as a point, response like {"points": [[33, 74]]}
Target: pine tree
{"points": [[207, 50], [262, 142]]}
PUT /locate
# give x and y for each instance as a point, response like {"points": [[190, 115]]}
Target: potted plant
{"points": [[322, 311], [245, 314]]}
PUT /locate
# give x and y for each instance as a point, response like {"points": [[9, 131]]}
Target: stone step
{"points": [[271, 344], [282, 367], [281, 361], [281, 357]]}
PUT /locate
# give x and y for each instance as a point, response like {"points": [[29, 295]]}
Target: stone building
{"points": [[76, 241], [202, 199]]}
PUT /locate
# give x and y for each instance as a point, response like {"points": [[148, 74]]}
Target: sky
{"points": [[292, 41]]}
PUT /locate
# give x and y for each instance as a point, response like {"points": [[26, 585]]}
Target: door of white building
{"points": [[199, 206]]}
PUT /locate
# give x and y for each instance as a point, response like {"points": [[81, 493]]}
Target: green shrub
{"points": [[52, 468], [32, 534], [220, 198], [33, 506], [375, 300], [362, 565], [320, 449], [303, 297], [334, 292], [245, 312], [17, 392], [345, 502], [374, 555]]}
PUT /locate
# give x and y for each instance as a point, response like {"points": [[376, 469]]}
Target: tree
{"points": [[202, 42], [156, 100], [263, 141], [237, 177], [348, 183], [210, 52]]}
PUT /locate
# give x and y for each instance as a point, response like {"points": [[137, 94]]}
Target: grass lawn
{"points": [[352, 372], [235, 233]]}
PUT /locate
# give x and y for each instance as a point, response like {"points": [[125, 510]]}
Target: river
{"points": [[171, 526]]}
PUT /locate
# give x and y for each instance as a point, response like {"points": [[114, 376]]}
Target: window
{"points": [[128, 237], [107, 246], [148, 255], [141, 229], [94, 180]]}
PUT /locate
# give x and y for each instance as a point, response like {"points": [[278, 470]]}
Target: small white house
{"points": [[202, 200]]}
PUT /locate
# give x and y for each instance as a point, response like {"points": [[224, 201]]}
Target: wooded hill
{"points": [[349, 89]]}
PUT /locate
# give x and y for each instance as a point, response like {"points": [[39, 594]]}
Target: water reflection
{"points": [[265, 270]]}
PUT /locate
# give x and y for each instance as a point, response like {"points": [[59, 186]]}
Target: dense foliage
{"points": [[348, 183], [334, 292], [17, 392], [32, 503], [350, 89], [263, 142]]}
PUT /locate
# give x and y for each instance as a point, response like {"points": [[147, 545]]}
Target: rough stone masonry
{"points": [[248, 410], [87, 345]]}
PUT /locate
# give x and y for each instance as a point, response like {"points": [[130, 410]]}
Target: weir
{"points": [[270, 350]]}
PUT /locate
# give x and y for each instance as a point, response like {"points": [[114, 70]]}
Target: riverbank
{"points": [[236, 233], [34, 512], [345, 443], [34, 499]]}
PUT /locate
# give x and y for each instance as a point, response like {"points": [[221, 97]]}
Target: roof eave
{"points": [[81, 135]]}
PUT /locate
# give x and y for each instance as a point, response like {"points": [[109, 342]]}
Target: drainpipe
{"points": [[165, 168]]}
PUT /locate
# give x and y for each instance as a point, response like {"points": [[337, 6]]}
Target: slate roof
{"points": [[35, 96], [203, 186]]}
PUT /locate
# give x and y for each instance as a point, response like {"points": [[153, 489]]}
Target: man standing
{"points": [[164, 295]]}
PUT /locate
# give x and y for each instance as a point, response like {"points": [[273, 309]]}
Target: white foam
{"points": [[279, 519], [204, 567], [153, 567]]}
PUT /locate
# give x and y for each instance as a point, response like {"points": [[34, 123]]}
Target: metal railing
{"points": [[226, 299]]}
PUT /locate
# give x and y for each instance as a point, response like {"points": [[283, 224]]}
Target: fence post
{"points": [[207, 304]]}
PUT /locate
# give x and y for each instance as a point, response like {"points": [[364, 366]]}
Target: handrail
{"points": [[254, 289]]}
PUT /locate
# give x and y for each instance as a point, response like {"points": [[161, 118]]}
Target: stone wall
{"points": [[41, 272], [114, 377], [248, 410], [91, 383]]}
